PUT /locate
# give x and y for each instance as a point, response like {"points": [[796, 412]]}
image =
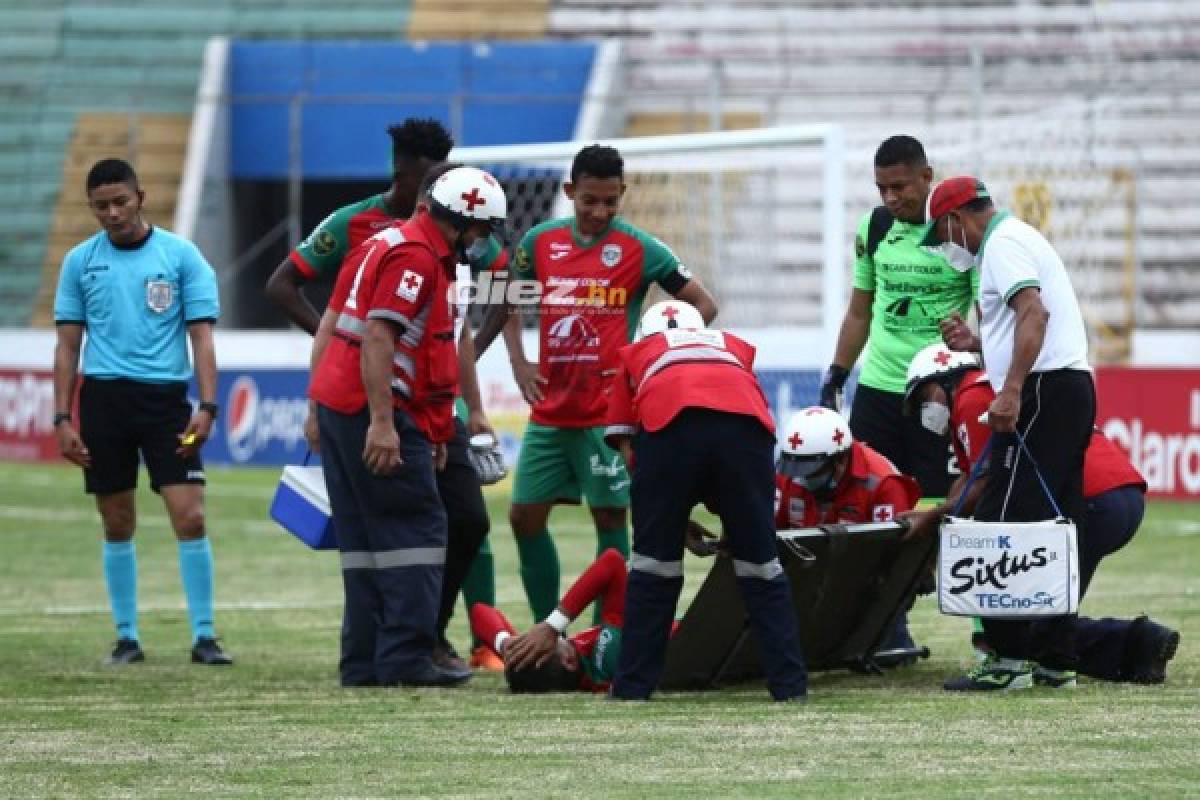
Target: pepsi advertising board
{"points": [[263, 412], [262, 417]]}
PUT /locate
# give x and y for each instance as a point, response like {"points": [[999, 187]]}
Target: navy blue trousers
{"points": [[392, 537], [466, 519], [725, 460], [1057, 414]]}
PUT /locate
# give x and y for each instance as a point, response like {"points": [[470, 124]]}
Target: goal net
{"points": [[757, 215]]}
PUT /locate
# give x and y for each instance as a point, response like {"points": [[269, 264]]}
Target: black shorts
{"points": [[877, 418], [120, 419]]}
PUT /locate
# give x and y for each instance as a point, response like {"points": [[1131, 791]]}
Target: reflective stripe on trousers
{"points": [[387, 559]]}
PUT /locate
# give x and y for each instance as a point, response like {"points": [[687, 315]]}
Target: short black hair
{"points": [[598, 161], [111, 170], [435, 172], [551, 676], [901, 149], [420, 138]]}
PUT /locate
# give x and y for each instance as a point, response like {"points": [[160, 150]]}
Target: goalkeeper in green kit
{"points": [[901, 291]]}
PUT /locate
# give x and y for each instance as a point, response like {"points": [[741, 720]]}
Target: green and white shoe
{"points": [[993, 675], [1055, 678]]}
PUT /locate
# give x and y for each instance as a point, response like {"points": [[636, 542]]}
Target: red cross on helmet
{"points": [[934, 361], [669, 314], [466, 195], [811, 437]]}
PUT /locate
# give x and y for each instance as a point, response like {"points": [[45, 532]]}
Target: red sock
{"points": [[486, 622]]}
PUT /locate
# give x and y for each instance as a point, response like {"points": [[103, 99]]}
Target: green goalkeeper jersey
{"points": [[914, 289]]}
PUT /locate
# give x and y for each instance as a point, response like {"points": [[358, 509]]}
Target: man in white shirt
{"points": [[1034, 348]]}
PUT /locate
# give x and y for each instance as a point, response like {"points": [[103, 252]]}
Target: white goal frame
{"points": [[833, 215]]}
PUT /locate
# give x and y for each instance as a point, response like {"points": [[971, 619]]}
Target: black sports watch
{"points": [[61, 417], [212, 408]]}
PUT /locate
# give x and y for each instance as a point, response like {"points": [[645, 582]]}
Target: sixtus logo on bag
{"points": [[977, 571], [995, 569]]}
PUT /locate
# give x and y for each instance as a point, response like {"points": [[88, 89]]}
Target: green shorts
{"points": [[561, 465]]}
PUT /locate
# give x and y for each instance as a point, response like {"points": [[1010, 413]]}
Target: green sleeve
{"points": [[659, 263], [523, 266], [974, 284], [322, 252], [864, 263], [494, 259]]}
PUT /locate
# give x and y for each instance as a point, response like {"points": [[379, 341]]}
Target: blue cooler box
{"points": [[301, 506]]}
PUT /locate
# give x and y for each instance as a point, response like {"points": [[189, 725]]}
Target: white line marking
{"points": [[245, 605]]}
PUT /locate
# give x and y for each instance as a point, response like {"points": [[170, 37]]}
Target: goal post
{"points": [[758, 215]]}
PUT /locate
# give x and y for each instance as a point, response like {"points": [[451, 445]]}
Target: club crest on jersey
{"points": [[610, 255], [884, 512], [409, 286], [159, 295]]}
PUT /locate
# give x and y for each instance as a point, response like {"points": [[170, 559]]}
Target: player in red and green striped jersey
{"points": [[419, 148], [594, 269]]}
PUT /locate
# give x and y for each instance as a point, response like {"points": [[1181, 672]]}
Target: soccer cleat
{"points": [[1150, 647], [445, 656], [994, 675], [207, 651], [482, 657], [126, 651], [1055, 678]]}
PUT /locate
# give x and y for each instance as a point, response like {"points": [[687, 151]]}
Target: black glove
{"points": [[831, 387]]}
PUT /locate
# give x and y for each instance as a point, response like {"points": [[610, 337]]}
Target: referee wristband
{"points": [[211, 408], [558, 620]]}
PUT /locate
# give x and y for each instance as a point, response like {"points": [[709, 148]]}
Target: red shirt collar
{"points": [[858, 462], [430, 232]]}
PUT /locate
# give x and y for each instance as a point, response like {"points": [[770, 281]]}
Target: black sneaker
{"points": [[207, 651], [126, 651], [1150, 646], [445, 656], [437, 676]]}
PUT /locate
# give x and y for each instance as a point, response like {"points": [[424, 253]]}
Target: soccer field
{"points": [[277, 725]]}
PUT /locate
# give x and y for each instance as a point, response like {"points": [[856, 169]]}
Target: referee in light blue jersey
{"points": [[140, 293]]}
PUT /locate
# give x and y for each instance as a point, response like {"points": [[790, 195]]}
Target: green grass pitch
{"points": [[277, 725]]}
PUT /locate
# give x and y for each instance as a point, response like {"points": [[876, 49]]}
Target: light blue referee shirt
{"points": [[135, 303]]}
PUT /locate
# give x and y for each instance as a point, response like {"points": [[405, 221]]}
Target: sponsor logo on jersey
{"points": [[610, 255], [572, 338]]}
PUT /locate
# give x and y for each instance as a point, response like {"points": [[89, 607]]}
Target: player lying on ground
{"points": [[543, 659]]}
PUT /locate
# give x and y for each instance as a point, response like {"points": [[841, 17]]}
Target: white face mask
{"points": [[477, 250], [935, 418], [957, 255]]}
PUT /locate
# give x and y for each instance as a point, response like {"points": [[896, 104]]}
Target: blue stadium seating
{"points": [[489, 94]]}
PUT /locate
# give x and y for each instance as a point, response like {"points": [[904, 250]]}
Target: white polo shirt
{"points": [[1013, 256]]}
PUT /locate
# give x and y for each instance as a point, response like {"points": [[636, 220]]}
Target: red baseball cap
{"points": [[946, 196]]}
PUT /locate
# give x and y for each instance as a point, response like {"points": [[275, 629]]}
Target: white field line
{"points": [[152, 608], [40, 514], [42, 481]]}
